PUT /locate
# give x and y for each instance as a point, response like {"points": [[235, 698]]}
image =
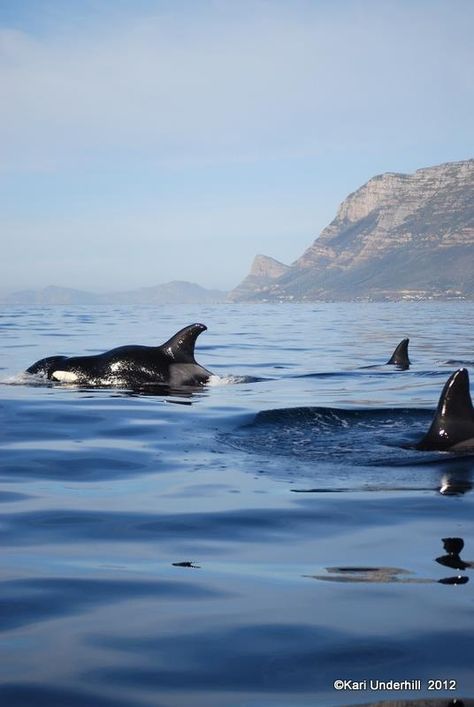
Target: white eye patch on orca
{"points": [[64, 376]]}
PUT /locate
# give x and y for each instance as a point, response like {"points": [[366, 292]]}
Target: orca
{"points": [[400, 355], [171, 364], [452, 428]]}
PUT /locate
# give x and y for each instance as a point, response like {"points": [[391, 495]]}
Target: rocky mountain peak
{"points": [[267, 268], [396, 234], [263, 273]]}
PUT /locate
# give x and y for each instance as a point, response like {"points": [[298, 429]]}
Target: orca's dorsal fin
{"points": [[453, 423], [400, 355], [180, 347]]}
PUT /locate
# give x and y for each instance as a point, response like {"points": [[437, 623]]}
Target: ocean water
{"points": [[244, 544]]}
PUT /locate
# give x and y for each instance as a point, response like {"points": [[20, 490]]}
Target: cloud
{"points": [[271, 79]]}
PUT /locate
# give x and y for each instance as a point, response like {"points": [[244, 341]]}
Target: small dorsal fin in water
{"points": [[400, 355], [453, 424], [180, 347]]}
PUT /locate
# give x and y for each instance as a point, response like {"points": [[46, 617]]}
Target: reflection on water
{"points": [[453, 547], [457, 481], [369, 574], [289, 483]]}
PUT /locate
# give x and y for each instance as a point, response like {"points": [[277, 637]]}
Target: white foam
{"points": [[22, 378], [215, 380]]}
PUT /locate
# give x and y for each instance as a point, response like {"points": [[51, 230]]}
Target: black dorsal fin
{"points": [[453, 422], [400, 355], [180, 347]]}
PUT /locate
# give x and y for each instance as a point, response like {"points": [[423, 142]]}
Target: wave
{"points": [[346, 437], [457, 362]]}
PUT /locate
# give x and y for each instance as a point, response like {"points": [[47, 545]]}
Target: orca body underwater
{"points": [[399, 357], [172, 364], [452, 428]]}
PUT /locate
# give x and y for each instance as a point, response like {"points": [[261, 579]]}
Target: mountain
{"points": [[263, 272], [175, 292], [398, 236], [50, 295]]}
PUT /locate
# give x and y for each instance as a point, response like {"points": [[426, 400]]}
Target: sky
{"points": [[143, 141]]}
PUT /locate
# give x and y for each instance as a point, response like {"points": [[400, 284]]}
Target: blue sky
{"points": [[143, 141]]}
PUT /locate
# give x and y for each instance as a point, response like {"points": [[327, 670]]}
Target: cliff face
{"points": [[397, 236]]}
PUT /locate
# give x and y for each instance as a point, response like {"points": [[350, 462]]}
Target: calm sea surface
{"points": [[245, 544]]}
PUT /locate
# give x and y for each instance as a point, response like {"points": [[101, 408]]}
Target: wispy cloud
{"points": [[267, 80]]}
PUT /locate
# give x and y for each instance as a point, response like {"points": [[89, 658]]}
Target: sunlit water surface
{"points": [[244, 544]]}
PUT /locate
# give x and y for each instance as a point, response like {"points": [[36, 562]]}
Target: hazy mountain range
{"points": [[175, 292], [399, 236]]}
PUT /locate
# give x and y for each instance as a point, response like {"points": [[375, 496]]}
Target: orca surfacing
{"points": [[172, 363]]}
